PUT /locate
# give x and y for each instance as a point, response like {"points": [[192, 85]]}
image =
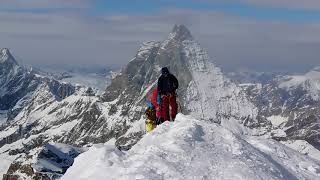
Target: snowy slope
{"points": [[193, 149], [303, 147], [210, 94], [309, 82], [291, 106]]}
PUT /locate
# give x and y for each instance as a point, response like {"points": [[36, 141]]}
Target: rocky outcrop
{"points": [[16, 170], [51, 162], [15, 81]]}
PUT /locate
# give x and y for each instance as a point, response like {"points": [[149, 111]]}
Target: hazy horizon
{"points": [[268, 36]]}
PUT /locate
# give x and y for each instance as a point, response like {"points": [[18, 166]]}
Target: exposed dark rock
{"points": [[25, 169]]}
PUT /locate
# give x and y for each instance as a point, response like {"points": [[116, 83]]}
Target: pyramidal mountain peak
{"points": [[5, 56], [190, 64], [180, 33], [4, 51]]}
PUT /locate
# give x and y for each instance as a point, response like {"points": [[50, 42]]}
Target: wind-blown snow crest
{"points": [[193, 149]]}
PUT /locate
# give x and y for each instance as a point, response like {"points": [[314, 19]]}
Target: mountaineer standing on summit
{"points": [[167, 86]]}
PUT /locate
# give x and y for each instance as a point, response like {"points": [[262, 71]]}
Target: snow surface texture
{"points": [[193, 149], [303, 147], [277, 120]]}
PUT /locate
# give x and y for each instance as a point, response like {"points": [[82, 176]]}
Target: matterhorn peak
{"points": [[4, 50], [5, 56], [181, 33]]}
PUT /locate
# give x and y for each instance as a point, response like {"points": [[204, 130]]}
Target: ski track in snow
{"points": [[193, 149]]}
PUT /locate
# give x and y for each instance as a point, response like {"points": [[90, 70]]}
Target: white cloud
{"points": [[231, 41], [14, 4], [292, 4]]}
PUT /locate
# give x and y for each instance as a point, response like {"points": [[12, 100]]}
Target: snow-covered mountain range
{"points": [[291, 104], [96, 77], [246, 76], [42, 115]]}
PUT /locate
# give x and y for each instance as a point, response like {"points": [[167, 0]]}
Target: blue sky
{"points": [[145, 7], [263, 35]]}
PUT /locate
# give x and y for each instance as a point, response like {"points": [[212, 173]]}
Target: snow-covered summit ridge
{"points": [[193, 149]]}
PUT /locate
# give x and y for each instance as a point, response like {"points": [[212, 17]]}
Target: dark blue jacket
{"points": [[167, 83]]}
